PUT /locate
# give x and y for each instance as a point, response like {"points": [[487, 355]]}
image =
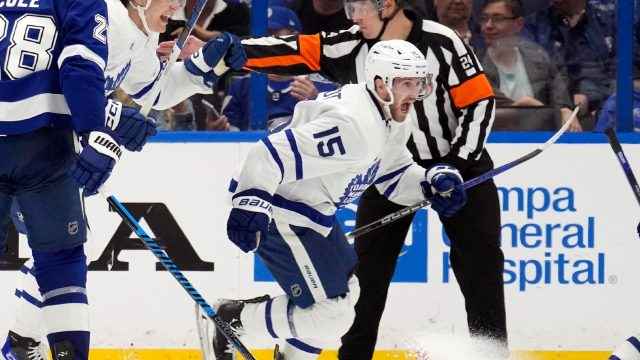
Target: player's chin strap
{"points": [[141, 10], [386, 104]]}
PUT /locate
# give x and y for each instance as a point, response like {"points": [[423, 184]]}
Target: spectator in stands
{"points": [[284, 92], [321, 15], [518, 68], [423, 8], [607, 115], [580, 39], [457, 14]]}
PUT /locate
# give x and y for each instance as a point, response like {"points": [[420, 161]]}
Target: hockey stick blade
{"points": [[468, 184], [171, 267], [626, 167], [177, 47]]}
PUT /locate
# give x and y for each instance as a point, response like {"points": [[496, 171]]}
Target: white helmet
{"points": [[393, 59]]}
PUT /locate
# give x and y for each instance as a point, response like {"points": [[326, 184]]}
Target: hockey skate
{"points": [[229, 311], [23, 348]]}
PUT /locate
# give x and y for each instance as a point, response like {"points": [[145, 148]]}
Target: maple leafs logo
{"points": [[358, 185]]}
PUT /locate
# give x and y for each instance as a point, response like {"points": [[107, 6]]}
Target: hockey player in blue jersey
{"points": [[53, 55], [54, 78], [287, 191]]}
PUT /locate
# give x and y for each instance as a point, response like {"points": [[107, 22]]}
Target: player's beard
{"points": [[400, 112]]}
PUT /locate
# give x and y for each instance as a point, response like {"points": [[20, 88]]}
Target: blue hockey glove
{"points": [[249, 220], [99, 155], [236, 57], [443, 186], [214, 58], [132, 128]]}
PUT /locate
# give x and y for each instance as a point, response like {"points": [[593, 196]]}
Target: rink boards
{"points": [[569, 238]]}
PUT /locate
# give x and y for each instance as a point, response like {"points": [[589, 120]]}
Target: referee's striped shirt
{"points": [[456, 116]]}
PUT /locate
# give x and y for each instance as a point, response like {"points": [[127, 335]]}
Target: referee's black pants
{"points": [[476, 259]]}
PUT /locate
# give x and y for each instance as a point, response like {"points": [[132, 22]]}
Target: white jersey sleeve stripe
{"points": [[34, 106], [296, 153], [82, 51]]}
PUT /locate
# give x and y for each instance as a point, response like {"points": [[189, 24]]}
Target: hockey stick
{"points": [[177, 47], [171, 267], [468, 184], [626, 167]]}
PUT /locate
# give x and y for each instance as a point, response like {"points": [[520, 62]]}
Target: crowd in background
{"points": [[542, 57]]}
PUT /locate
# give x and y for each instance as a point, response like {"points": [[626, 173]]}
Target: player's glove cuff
{"points": [[113, 111], [106, 142], [254, 200]]}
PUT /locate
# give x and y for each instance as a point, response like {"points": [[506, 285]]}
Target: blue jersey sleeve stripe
{"points": [[304, 210], [390, 189], [391, 175], [274, 155], [82, 51], [147, 88], [296, 153], [143, 91]]}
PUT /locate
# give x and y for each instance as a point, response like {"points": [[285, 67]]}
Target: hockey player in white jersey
{"points": [[291, 183], [132, 64]]}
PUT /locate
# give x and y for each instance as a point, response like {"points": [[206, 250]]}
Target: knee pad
{"points": [[330, 316]]}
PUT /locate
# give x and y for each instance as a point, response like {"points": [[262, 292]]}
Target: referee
{"points": [[450, 125]]}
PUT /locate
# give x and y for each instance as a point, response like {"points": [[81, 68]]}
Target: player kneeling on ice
{"points": [[292, 182]]}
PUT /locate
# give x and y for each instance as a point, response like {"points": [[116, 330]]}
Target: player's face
{"points": [[405, 92], [365, 15], [159, 12], [498, 24]]}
